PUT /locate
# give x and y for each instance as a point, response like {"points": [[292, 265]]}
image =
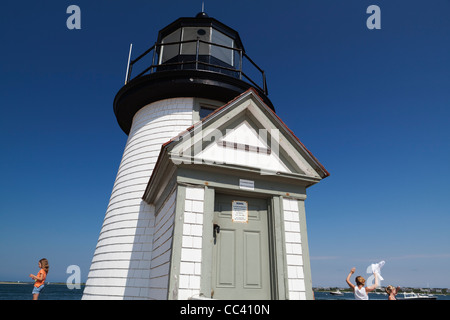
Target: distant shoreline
{"points": [[315, 289]]}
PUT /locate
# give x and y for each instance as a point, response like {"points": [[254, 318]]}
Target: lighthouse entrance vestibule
{"points": [[241, 255]]}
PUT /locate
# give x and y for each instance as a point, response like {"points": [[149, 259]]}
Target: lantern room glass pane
{"points": [[223, 54], [192, 33], [172, 50]]}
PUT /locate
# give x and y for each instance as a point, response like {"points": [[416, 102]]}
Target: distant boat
{"points": [[415, 296], [336, 293]]}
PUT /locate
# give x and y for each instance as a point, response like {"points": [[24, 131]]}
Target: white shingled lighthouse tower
{"points": [[209, 197]]}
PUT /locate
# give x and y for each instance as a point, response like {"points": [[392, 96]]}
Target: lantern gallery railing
{"points": [[207, 56]]}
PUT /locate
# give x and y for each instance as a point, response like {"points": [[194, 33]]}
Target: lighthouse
{"points": [[208, 201]]}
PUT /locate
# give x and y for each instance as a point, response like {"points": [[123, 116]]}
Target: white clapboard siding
{"points": [[123, 261]]}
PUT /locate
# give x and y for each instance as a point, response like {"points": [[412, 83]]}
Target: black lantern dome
{"points": [[193, 57]]}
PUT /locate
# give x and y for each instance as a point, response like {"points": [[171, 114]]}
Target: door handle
{"points": [[216, 230]]}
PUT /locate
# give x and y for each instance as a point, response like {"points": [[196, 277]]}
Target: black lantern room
{"points": [[192, 57]]}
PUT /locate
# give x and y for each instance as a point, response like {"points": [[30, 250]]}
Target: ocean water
{"points": [[50, 292], [61, 292], [346, 296]]}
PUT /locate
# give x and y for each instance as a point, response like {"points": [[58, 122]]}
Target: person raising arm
{"points": [[361, 292]]}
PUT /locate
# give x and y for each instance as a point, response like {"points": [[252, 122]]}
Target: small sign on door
{"points": [[246, 184], [239, 211]]}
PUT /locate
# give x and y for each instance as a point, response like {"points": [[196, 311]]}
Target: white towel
{"points": [[374, 268]]}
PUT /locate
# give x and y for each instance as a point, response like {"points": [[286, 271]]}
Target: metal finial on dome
{"points": [[202, 14]]}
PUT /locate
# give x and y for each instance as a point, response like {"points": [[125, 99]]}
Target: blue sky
{"points": [[372, 105]]}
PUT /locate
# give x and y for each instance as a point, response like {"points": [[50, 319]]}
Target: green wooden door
{"points": [[241, 249]]}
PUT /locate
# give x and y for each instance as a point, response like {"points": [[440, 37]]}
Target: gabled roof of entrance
{"points": [[245, 132]]}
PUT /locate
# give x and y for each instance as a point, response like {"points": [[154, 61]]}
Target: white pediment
{"points": [[244, 146], [245, 134]]}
